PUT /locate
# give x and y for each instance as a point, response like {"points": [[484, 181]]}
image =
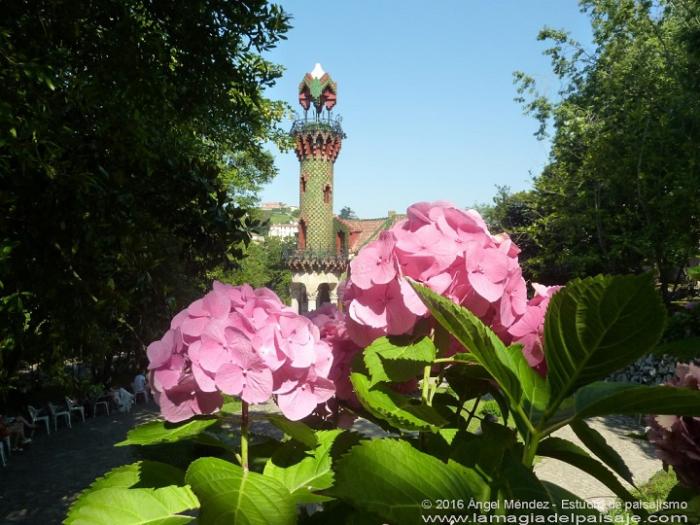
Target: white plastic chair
{"points": [[138, 393], [8, 446], [75, 407], [100, 403], [140, 390], [124, 400], [55, 414], [35, 415]]}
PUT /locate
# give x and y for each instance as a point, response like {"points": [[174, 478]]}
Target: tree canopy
{"points": [[347, 213], [131, 143], [621, 190]]}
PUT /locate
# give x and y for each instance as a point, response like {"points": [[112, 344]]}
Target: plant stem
{"points": [[425, 387], [244, 435], [438, 382], [471, 413], [530, 449]]}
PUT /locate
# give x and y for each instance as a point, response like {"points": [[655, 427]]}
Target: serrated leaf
{"points": [[295, 429], [558, 495], [520, 484], [303, 471], [572, 454], [122, 506], [596, 326], [390, 478], [596, 443], [484, 453], [534, 387], [155, 432], [142, 474], [392, 359], [399, 411], [601, 398], [474, 335], [231, 495]]}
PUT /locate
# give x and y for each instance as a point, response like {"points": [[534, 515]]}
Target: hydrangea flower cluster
{"points": [[331, 323], [677, 438], [243, 342], [453, 253]]}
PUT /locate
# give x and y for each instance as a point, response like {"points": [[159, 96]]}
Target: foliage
{"points": [[620, 191], [592, 326], [347, 213], [262, 265], [440, 447], [113, 116]]}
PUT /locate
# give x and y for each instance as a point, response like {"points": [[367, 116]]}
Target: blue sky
{"points": [[426, 93]]}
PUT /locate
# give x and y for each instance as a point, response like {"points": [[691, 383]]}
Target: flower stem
{"points": [[530, 449], [244, 435], [425, 387]]}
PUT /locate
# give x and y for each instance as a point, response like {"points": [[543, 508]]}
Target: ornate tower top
{"points": [[319, 89]]}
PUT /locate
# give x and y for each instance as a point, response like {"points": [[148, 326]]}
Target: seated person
{"points": [[14, 427], [122, 398], [140, 384]]}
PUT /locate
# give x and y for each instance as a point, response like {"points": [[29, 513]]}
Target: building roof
{"points": [[362, 231]]}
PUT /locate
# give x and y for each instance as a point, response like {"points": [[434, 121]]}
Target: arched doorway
{"points": [[324, 294]]}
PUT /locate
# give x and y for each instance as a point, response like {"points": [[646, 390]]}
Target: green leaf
{"points": [[398, 410], [683, 350], [302, 471], [142, 474], [231, 405], [122, 506], [596, 326], [295, 429], [484, 453], [694, 273], [474, 335], [394, 359], [520, 484], [558, 495], [571, 453], [390, 478], [231, 495], [601, 398], [596, 443], [156, 432], [535, 387]]}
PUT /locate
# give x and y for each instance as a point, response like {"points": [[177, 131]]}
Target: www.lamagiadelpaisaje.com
{"points": [[575, 512]]}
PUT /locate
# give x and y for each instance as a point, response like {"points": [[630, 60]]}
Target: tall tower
{"points": [[321, 254]]}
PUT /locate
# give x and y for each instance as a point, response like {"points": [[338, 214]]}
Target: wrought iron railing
{"points": [[318, 123]]}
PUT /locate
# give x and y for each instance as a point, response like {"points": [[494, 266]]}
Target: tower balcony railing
{"points": [[316, 259], [321, 122]]}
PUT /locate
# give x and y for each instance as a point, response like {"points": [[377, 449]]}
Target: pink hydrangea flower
{"points": [[453, 253], [331, 323], [376, 264], [528, 330], [240, 341], [677, 438]]}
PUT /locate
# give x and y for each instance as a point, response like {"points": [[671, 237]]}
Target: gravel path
{"points": [[619, 432], [39, 484]]}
